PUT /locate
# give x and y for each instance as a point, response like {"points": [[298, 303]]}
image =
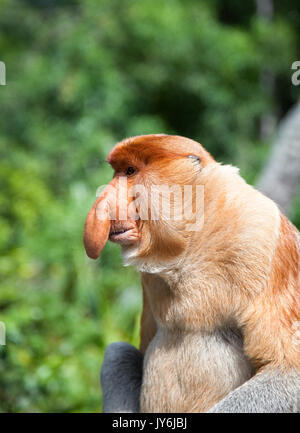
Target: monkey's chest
{"points": [[190, 372]]}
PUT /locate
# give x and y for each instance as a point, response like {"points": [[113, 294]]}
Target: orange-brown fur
{"points": [[241, 269], [270, 318]]}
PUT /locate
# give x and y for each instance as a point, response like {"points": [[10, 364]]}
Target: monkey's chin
{"points": [[129, 253], [130, 256]]}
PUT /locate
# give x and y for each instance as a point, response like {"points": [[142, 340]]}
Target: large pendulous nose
{"points": [[97, 227]]}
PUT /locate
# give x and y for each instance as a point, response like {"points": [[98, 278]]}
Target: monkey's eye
{"points": [[196, 158], [129, 171]]}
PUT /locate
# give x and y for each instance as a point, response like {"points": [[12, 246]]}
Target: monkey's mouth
{"points": [[117, 234], [123, 235]]}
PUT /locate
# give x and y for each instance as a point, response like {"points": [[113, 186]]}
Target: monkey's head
{"points": [[151, 200]]}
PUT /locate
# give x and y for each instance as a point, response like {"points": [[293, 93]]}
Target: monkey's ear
{"points": [[96, 228]]}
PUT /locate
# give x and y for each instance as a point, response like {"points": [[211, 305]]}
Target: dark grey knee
{"points": [[270, 391], [121, 378]]}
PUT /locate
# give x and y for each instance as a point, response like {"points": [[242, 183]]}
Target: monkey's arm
{"points": [[148, 325], [269, 391], [122, 369]]}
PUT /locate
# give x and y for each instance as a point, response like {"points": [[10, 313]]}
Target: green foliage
{"points": [[80, 76]]}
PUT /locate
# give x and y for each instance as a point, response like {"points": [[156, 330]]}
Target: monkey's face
{"points": [[143, 208]]}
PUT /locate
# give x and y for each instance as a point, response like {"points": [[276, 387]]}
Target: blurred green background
{"points": [[82, 75]]}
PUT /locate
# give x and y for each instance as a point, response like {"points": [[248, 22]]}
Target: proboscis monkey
{"points": [[221, 284]]}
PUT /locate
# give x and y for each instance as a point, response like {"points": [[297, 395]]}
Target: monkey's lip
{"points": [[116, 234], [122, 235]]}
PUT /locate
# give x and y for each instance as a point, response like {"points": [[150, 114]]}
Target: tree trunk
{"points": [[281, 176]]}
